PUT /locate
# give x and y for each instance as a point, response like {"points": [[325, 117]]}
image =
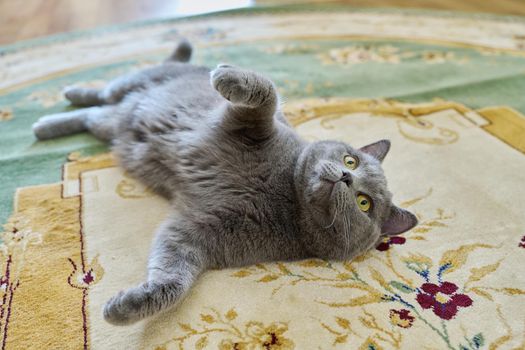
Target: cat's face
{"points": [[344, 191]]}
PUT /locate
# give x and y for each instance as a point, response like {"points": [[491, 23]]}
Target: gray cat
{"points": [[244, 187]]}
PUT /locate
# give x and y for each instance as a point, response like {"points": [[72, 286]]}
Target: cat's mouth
{"points": [[325, 192], [332, 188], [336, 185]]}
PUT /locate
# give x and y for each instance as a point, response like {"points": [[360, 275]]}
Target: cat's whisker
{"points": [[346, 233], [333, 221]]}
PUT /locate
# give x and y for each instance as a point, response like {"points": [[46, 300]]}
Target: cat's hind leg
{"points": [[115, 91], [100, 121], [173, 267]]}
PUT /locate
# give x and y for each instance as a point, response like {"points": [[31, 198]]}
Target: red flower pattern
{"points": [[88, 277], [522, 243], [443, 299], [387, 241]]}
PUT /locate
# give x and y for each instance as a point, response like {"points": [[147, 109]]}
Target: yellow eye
{"points": [[350, 162], [364, 202]]}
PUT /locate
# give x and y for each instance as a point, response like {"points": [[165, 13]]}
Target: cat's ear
{"points": [[377, 149], [399, 221]]}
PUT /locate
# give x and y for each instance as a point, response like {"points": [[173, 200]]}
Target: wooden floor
{"points": [[20, 20]]}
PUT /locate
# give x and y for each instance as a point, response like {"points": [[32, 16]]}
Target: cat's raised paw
{"points": [[241, 86], [231, 83]]}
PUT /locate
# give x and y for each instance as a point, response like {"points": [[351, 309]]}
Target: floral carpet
{"points": [[446, 89]]}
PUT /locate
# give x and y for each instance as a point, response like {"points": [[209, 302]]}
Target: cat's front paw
{"points": [[241, 86], [125, 307], [230, 83]]}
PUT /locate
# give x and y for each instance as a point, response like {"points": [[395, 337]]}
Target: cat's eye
{"points": [[350, 162], [364, 202]]}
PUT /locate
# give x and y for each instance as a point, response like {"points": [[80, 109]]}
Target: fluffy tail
{"points": [[182, 52]]}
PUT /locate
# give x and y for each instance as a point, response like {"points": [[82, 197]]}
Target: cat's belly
{"points": [[240, 229]]}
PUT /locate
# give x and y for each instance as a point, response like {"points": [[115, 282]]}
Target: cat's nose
{"points": [[347, 178]]}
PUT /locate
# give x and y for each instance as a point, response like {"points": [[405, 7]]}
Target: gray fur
{"points": [[244, 187]]}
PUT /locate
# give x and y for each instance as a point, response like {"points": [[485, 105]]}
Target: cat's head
{"points": [[344, 197]]}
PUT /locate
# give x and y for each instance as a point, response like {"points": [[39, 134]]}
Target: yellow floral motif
{"points": [[5, 114], [417, 262], [370, 344], [252, 335], [300, 272], [489, 52], [343, 330], [85, 277], [73, 156], [17, 236], [130, 189], [356, 54], [410, 123], [454, 259], [289, 49], [520, 41], [260, 337], [411, 127], [46, 98], [361, 54], [333, 108], [396, 320], [392, 338], [434, 57], [477, 274], [426, 225], [293, 86]]}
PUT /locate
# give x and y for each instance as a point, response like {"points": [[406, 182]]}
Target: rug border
{"points": [[306, 110], [332, 7]]}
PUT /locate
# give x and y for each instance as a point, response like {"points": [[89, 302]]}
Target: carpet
{"points": [[445, 88]]}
